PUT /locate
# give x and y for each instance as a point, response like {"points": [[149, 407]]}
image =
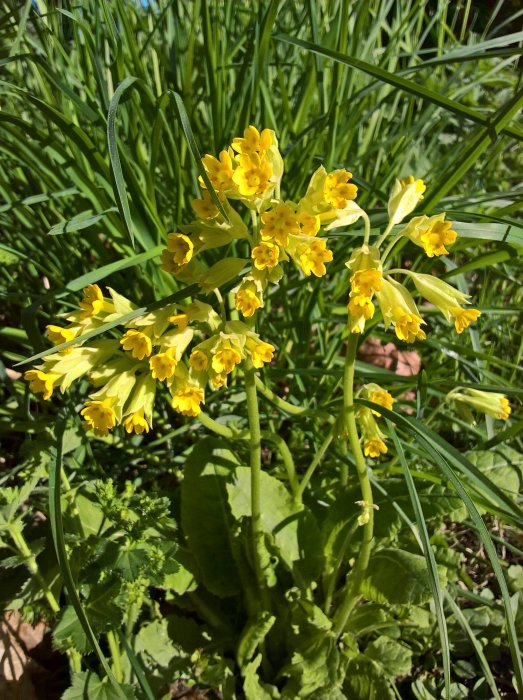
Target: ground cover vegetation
{"points": [[261, 346]]}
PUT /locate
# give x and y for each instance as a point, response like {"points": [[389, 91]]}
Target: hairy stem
{"points": [[255, 450], [358, 573]]}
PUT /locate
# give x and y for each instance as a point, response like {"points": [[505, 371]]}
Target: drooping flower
{"points": [[313, 256], [337, 189], [432, 233], [404, 198], [491, 403], [373, 438], [205, 208], [137, 343], [177, 254], [248, 296], [220, 172], [99, 416], [399, 309], [446, 299], [41, 382], [58, 335], [163, 364], [375, 393], [93, 302]]}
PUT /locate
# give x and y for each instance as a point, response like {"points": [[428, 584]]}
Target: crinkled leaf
{"points": [[398, 577], [365, 680], [394, 657], [154, 645]]}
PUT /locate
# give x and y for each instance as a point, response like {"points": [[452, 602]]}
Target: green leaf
{"points": [[69, 633], [83, 220], [252, 636], [253, 688], [394, 657], [365, 680], [279, 513], [89, 685], [398, 577], [154, 645], [503, 466], [206, 517], [114, 156]]}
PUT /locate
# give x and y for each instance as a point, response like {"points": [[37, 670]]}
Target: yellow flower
{"points": [[163, 364], [177, 254], [374, 447], [278, 223], [180, 247], [99, 416], [404, 198], [261, 354], [374, 393], [446, 298], [138, 343], [136, 423], [248, 297], [399, 309], [205, 208], [360, 309], [225, 359], [309, 223], [493, 404], [265, 255], [373, 438], [220, 171], [431, 233], [180, 320], [199, 360], [337, 190], [463, 317], [407, 326], [252, 176], [314, 256], [366, 282], [253, 141], [58, 335], [93, 301], [41, 382], [187, 400], [217, 381]]}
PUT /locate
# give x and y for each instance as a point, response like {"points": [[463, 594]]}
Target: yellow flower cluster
{"points": [[373, 438], [125, 372], [250, 171], [370, 277]]}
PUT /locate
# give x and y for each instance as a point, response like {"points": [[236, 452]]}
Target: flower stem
{"points": [[358, 573], [314, 464], [255, 450]]}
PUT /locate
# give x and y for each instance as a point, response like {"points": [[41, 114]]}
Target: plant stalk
{"points": [[255, 453], [358, 573]]}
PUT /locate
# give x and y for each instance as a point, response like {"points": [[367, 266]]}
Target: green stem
{"points": [[384, 234], [30, 561], [388, 249], [366, 236], [255, 450], [314, 464], [287, 407], [216, 427], [115, 655], [336, 568], [287, 459], [358, 573]]}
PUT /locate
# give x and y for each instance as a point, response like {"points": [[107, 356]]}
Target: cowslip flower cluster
{"points": [[152, 350], [250, 171], [372, 437], [370, 279]]}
